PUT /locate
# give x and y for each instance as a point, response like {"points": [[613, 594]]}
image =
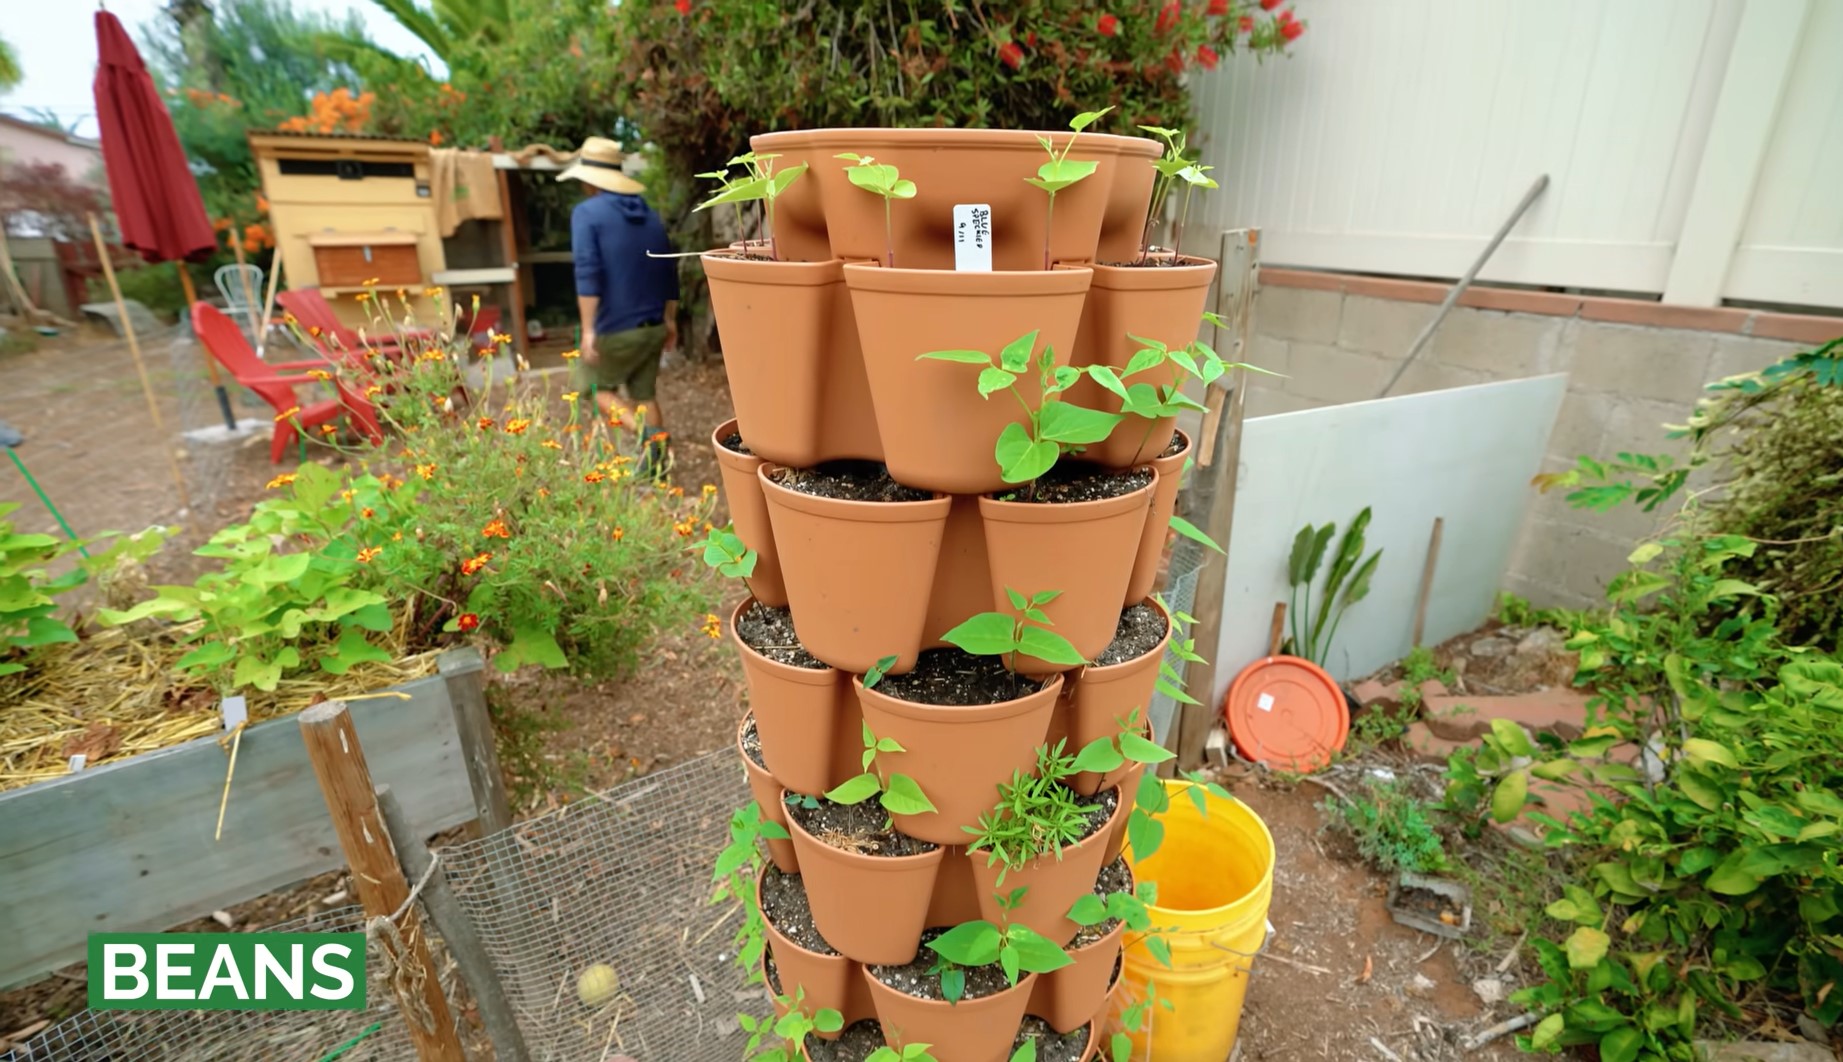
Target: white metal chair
{"points": [[241, 286]]}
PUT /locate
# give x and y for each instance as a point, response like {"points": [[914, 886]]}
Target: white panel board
{"points": [[1465, 454]]}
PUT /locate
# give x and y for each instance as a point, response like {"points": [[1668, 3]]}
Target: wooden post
{"points": [[461, 670], [508, 247], [134, 348], [1213, 494], [1420, 601], [345, 782], [268, 303], [457, 932]]}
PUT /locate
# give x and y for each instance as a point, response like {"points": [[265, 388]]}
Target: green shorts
{"points": [[627, 359]]}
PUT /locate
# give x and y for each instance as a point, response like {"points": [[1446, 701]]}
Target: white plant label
{"points": [[972, 238], [1265, 702], [236, 710], [77, 762]]}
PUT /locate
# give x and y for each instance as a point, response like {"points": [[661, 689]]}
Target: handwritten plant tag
{"points": [[236, 710], [972, 238]]}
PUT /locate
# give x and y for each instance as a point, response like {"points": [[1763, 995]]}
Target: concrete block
{"points": [[1580, 428], [1467, 718], [1569, 555], [1795, 1051], [1333, 375], [1506, 345], [1271, 353], [1735, 355], [1383, 326], [1429, 375], [1593, 559], [1668, 366], [1298, 313]]}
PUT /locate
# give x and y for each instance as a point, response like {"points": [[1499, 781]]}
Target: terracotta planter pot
{"points": [[777, 321], [1101, 698], [951, 166], [972, 1030], [831, 982], [1129, 199], [796, 713], [937, 431], [1055, 884], [1156, 302], [1129, 789], [1157, 522], [870, 908], [1074, 995], [1084, 549], [955, 897], [958, 755], [767, 793], [742, 491], [858, 573], [962, 586]]}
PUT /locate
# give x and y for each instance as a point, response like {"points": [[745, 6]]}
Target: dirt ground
{"points": [[1341, 981]]}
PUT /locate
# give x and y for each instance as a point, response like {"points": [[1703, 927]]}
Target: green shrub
{"points": [[1391, 827]]}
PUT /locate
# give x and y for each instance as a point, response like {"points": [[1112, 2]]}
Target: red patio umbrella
{"points": [[156, 200]]}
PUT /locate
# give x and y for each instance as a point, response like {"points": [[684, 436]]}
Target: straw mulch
{"points": [[115, 694]]}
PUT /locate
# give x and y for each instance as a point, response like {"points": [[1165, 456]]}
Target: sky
{"points": [[56, 44]]}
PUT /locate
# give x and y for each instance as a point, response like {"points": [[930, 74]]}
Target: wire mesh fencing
{"points": [[621, 880], [375, 1034], [1180, 593]]}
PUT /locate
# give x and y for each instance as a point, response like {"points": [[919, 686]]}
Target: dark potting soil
{"points": [[1176, 447], [956, 678], [1160, 260], [865, 481], [1072, 481], [752, 743], [733, 443], [1428, 902], [858, 1042], [1052, 1046], [771, 972], [1115, 877], [864, 828], [1140, 630], [913, 978], [770, 632], [784, 905]]}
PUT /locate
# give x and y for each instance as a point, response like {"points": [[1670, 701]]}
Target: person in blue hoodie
{"points": [[628, 300]]}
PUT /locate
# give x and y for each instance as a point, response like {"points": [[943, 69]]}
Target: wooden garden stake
{"points": [[457, 932], [1420, 601], [1213, 496], [345, 782], [1275, 630], [140, 367]]}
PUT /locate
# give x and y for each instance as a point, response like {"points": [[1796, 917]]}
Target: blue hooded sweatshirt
{"points": [[610, 236]]}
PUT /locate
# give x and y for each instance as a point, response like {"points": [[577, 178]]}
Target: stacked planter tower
{"points": [[865, 477]]}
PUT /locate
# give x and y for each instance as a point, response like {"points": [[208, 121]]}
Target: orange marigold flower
{"points": [[426, 471], [366, 555], [502, 337], [280, 481], [543, 492], [346, 495], [363, 296], [551, 444], [676, 491], [320, 374], [710, 490], [485, 423], [328, 429], [468, 621], [367, 512], [373, 391], [496, 528], [287, 413], [713, 627], [313, 330], [571, 355], [474, 563], [658, 436], [593, 476], [619, 533], [571, 396], [517, 425], [397, 537]]}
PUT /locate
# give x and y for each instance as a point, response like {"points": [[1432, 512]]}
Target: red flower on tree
{"points": [[1175, 62], [1290, 30], [1207, 56], [1168, 16], [468, 621], [1269, 5], [1247, 24], [1011, 54], [683, 6], [1218, 7], [1107, 26]]}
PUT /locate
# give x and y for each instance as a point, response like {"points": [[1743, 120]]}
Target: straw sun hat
{"points": [[599, 163]]}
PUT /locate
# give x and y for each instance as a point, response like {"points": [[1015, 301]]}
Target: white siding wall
{"points": [[1399, 135]]}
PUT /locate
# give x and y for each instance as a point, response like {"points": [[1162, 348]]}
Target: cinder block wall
{"points": [[1632, 367]]}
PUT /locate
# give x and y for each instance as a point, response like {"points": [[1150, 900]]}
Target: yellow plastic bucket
{"points": [[1215, 879]]}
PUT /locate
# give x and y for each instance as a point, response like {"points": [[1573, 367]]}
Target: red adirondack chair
{"points": [[224, 340], [339, 342]]}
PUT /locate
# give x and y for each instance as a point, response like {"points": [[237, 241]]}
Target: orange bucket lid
{"points": [[1286, 712]]}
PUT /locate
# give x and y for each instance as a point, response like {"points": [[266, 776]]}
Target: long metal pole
{"points": [[1529, 198]]}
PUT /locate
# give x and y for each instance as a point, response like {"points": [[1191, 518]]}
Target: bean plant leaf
{"points": [[1140, 750], [351, 650], [1106, 377], [1193, 532], [855, 790], [1017, 599], [1050, 646], [1065, 422], [1036, 953], [1144, 833], [1015, 355], [987, 634], [991, 380], [1099, 756], [905, 797], [1120, 1046], [1088, 911], [953, 987], [1022, 458], [964, 357], [968, 944]]}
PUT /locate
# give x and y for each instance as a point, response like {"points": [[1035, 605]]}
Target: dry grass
{"points": [[115, 694]]}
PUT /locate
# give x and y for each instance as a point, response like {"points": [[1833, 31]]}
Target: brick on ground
{"points": [[1562, 712]]}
